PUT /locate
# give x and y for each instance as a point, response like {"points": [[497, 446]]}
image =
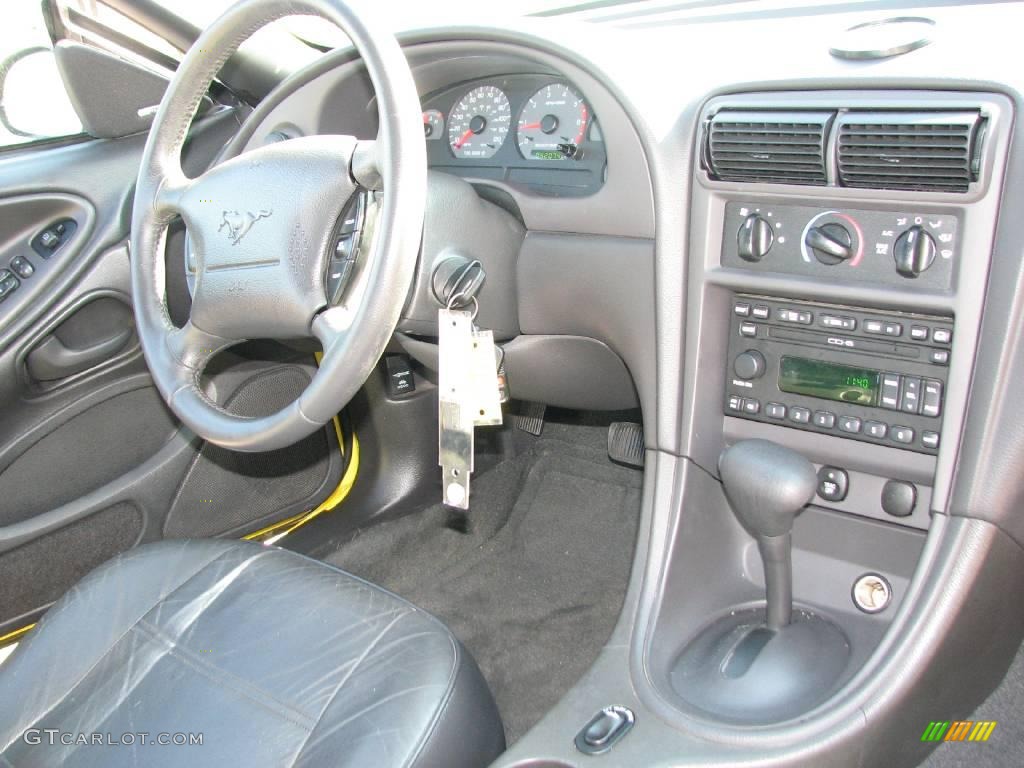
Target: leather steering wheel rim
{"points": [[268, 281]]}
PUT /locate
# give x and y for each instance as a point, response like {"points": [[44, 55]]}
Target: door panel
{"points": [[91, 460]]}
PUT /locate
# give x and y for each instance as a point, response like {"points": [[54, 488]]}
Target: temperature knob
{"points": [[914, 252], [755, 237], [830, 243], [749, 365]]}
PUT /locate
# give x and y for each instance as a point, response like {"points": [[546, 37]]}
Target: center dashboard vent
{"points": [[771, 147], [920, 151]]}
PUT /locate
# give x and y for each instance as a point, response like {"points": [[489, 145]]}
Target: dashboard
{"points": [[532, 130]]}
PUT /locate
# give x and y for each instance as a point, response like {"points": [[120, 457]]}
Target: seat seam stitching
{"points": [[121, 637], [210, 671]]}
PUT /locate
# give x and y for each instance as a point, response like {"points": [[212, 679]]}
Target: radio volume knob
{"points": [[914, 252], [755, 238], [749, 365]]}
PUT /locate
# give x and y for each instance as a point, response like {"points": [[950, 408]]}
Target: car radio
{"points": [[873, 376]]}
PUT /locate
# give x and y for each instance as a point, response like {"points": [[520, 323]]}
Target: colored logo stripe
{"points": [[958, 730]]}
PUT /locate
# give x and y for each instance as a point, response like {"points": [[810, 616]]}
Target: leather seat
{"points": [[273, 658]]}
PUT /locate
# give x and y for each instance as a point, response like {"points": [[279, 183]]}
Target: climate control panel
{"points": [[909, 248], [867, 375]]}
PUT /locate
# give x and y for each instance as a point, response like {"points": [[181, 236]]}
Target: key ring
{"points": [[455, 297]]}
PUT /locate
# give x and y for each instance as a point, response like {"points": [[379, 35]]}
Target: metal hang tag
{"points": [[456, 404], [484, 381]]}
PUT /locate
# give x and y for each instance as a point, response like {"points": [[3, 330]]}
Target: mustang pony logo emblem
{"points": [[239, 224]]}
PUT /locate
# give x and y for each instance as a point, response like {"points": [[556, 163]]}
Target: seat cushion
{"points": [[268, 657]]}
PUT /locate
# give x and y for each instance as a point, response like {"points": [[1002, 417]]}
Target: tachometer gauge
{"points": [[553, 123], [479, 123]]}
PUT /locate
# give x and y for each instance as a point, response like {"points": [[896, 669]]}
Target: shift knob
{"points": [[767, 487]]}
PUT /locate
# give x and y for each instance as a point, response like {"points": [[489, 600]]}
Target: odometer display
{"points": [[829, 381], [479, 123], [554, 117]]}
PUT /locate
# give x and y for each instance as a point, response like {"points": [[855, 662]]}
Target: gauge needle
{"points": [[530, 127], [463, 138]]}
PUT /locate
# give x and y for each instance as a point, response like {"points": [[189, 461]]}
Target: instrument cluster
{"points": [[536, 131]]}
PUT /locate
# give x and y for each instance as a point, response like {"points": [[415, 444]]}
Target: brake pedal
{"points": [[531, 418], [626, 443]]}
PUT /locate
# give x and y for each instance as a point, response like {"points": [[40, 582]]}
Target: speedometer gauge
{"points": [[553, 123], [479, 123]]}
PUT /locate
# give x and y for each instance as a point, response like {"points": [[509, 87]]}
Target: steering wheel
{"points": [[261, 227]]}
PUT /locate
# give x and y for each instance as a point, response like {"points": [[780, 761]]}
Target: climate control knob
{"points": [[749, 365], [914, 252], [755, 237], [830, 243]]}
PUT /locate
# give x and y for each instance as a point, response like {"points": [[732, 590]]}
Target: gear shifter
{"points": [[755, 665], [767, 486]]}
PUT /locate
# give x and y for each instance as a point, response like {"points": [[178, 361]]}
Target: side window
{"points": [[33, 102]]}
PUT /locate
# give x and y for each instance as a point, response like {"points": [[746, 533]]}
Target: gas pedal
{"points": [[531, 418], [626, 443]]}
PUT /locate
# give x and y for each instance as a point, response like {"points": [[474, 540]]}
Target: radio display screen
{"points": [[829, 381]]}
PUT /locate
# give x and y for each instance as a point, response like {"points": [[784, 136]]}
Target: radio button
{"points": [[775, 410], [910, 398], [799, 414], [931, 405], [839, 322], [893, 329], [903, 435], [850, 424], [939, 356], [761, 312], [824, 419], [735, 403], [742, 309], [890, 391], [751, 406], [748, 329], [874, 326], [876, 429], [793, 316], [930, 439], [919, 332], [942, 335]]}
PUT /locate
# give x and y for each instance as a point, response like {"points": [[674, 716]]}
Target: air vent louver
{"points": [[772, 147], [923, 151]]}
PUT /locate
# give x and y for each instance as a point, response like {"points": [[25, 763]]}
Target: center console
{"points": [[839, 250]]}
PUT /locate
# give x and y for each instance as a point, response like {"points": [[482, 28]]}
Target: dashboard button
{"points": [[939, 356], [942, 335], [748, 329], [799, 414], [751, 406], [931, 405], [876, 429], [874, 326], [919, 332], [742, 309], [761, 312], [899, 498], [910, 397], [890, 391], [930, 439], [839, 322], [775, 410], [833, 483], [903, 435], [893, 329], [735, 403], [850, 424], [824, 419]]}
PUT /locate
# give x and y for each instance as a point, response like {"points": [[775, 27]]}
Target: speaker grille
{"points": [[228, 492]]}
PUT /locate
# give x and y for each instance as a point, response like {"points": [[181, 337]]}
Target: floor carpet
{"points": [[531, 579]]}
